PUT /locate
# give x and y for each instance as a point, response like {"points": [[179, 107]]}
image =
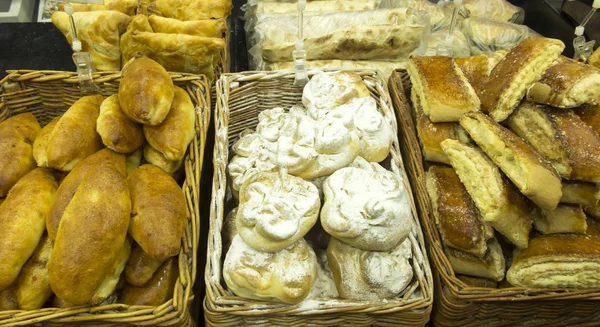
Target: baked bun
{"points": [[328, 90], [286, 276], [8, 299], [589, 114], [113, 275], [442, 88], [158, 290], [516, 73], [370, 275], [558, 261], [585, 194], [523, 165], [276, 210], [33, 284], [17, 136], [367, 207], [158, 159], [146, 91], [133, 160], [491, 266], [566, 218], [118, 132], [40, 146], [140, 267]]}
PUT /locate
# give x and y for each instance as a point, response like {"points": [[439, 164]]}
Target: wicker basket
{"points": [[48, 94], [241, 97], [457, 304]]}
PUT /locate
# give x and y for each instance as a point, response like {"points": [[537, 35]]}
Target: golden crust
{"points": [[158, 290], [206, 27], [491, 266], [566, 218], [190, 9], [585, 194], [475, 69], [33, 284], [140, 267], [589, 114], [40, 146], [118, 132]]}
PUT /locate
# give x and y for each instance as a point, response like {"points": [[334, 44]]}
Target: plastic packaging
{"points": [[313, 7], [459, 47], [438, 17], [486, 35], [385, 67], [500, 10]]}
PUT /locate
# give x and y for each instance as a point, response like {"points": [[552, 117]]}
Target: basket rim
{"points": [[233, 305], [457, 288]]}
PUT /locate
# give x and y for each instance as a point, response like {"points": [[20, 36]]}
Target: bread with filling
{"points": [[566, 218], [33, 284], [40, 146], [585, 194], [491, 266]]}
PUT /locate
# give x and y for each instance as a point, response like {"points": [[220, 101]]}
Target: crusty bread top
{"points": [[555, 247], [475, 69], [589, 114], [562, 76]]}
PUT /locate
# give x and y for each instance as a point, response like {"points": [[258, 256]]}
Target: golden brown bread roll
{"points": [[17, 135], [40, 146], [113, 276], [524, 166], [459, 222], [140, 266], [157, 290], [204, 27], [118, 132], [146, 91], [175, 133], [125, 6], [133, 160], [477, 281], [159, 212], [566, 218], [559, 135], [74, 137], [33, 284], [76, 268], [156, 158], [476, 69], [443, 90], [491, 266], [22, 221], [71, 182], [589, 114], [586, 194], [58, 303], [8, 299], [517, 72]]}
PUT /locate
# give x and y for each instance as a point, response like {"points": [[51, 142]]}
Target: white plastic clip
{"points": [[582, 49], [446, 48], [299, 53], [82, 60]]}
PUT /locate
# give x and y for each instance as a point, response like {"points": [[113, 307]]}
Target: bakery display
{"points": [[500, 10], [140, 267]]}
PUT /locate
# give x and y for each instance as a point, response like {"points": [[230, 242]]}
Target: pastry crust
{"points": [[156, 158], [140, 266], [566, 218], [113, 275], [40, 146], [589, 114], [188, 9], [206, 27], [516, 73], [443, 90], [33, 284], [118, 132], [491, 266], [585, 194], [158, 290], [476, 69], [524, 166], [477, 281], [594, 58]]}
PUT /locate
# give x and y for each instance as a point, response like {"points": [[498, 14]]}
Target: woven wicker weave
{"points": [[457, 304], [48, 94], [240, 98]]}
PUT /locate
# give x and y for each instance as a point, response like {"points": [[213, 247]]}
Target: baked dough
{"points": [[476, 69], [276, 210], [457, 218], [113, 275], [443, 90], [140, 267], [8, 299], [127, 7], [118, 132], [567, 85], [367, 207], [571, 146], [477, 281], [594, 59], [324, 287], [188, 9], [157, 290], [500, 10], [384, 67], [566, 218], [206, 27], [33, 284], [558, 261], [516, 73], [40, 146], [316, 7], [156, 158], [17, 137], [524, 166], [370, 275], [499, 203], [491, 266], [133, 160], [589, 114], [286, 276], [585, 194]]}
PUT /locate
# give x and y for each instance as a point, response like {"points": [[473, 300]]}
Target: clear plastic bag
{"points": [[439, 18], [385, 67], [459, 46], [486, 35], [500, 10]]}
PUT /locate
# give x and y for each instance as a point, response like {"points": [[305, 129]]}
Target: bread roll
{"points": [[491, 266], [589, 114], [516, 73], [69, 186], [133, 160], [187, 9], [8, 299], [367, 207], [175, 133], [118, 132], [370, 275], [158, 290], [156, 158], [40, 146], [276, 210], [477, 282], [566, 218], [585, 194], [33, 284], [558, 261], [113, 275], [22, 221], [146, 91], [85, 250], [476, 69], [159, 212], [594, 59], [532, 175], [499, 203], [443, 90], [204, 27], [571, 146], [125, 6], [286, 276], [74, 137], [140, 267], [17, 136], [457, 218], [593, 228], [58, 303]]}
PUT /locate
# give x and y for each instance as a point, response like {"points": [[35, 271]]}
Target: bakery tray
{"points": [[47, 94]]}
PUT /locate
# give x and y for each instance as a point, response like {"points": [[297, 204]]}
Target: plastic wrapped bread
{"points": [[314, 7], [384, 66], [438, 17], [487, 35], [460, 45], [500, 10]]}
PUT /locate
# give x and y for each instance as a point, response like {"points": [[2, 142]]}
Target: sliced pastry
{"points": [[491, 266], [566, 218], [585, 194]]}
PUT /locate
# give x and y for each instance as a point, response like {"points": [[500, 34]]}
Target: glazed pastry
{"points": [[157, 290], [516, 73], [370, 275], [64, 151], [558, 261], [585, 194], [159, 212], [40, 146], [476, 69], [443, 90], [567, 84], [17, 136], [156, 158], [33, 284], [477, 281], [22, 221], [491, 266], [140, 267], [457, 218], [589, 114], [118, 132], [532, 175], [188, 9], [113, 275], [571, 146], [276, 210], [499, 203], [206, 27], [286, 276], [367, 206], [174, 134], [566, 218]]}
